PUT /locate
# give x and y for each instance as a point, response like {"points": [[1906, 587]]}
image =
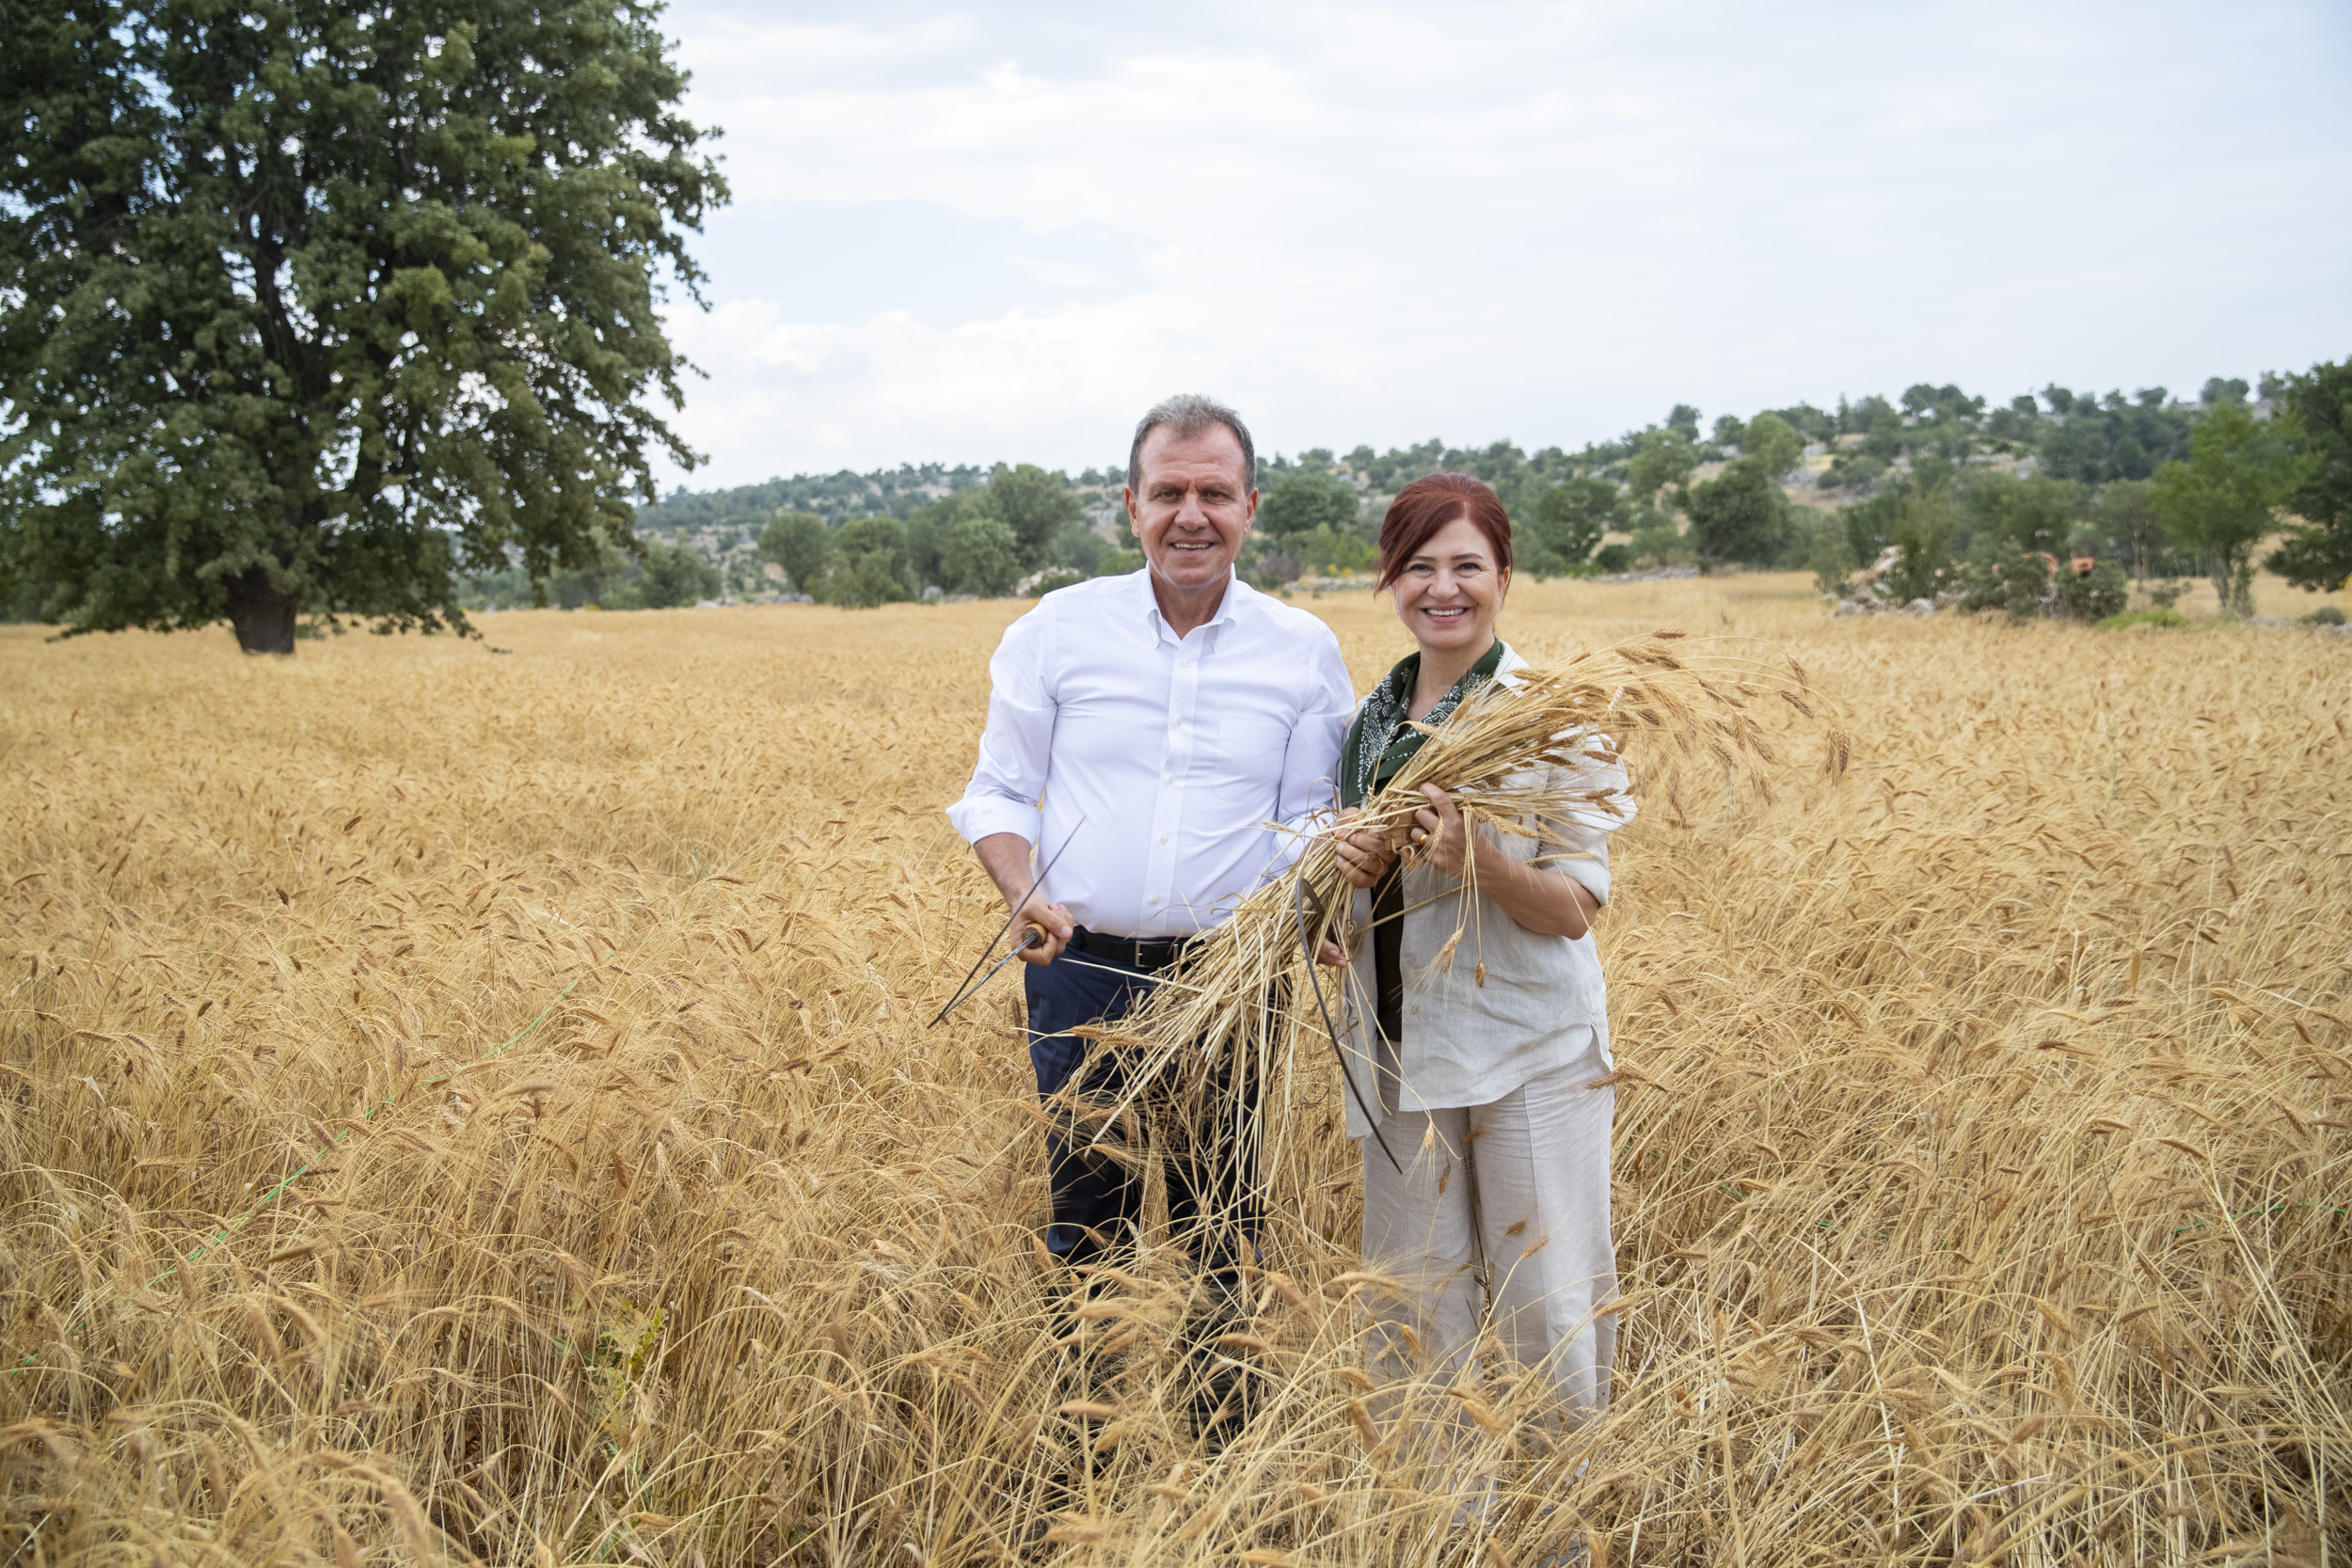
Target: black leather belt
{"points": [[1144, 952]]}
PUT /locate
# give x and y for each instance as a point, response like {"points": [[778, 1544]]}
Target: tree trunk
{"points": [[262, 615]]}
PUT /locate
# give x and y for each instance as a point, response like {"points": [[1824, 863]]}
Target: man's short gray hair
{"points": [[1186, 414]]}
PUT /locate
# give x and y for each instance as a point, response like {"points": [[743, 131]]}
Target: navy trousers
{"points": [[1215, 1199]]}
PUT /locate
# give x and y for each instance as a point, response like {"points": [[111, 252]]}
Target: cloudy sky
{"points": [[963, 233]]}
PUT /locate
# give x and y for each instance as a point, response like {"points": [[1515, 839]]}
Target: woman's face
{"points": [[1449, 591]]}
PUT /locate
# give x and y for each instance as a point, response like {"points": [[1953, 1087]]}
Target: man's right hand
{"points": [[1042, 919], [1006, 859]]}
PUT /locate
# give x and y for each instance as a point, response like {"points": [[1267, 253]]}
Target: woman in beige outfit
{"points": [[1487, 1055]]}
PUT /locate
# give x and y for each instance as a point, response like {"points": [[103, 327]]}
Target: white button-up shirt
{"points": [[1178, 771]]}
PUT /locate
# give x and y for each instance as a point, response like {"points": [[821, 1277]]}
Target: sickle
{"points": [[1306, 948]]}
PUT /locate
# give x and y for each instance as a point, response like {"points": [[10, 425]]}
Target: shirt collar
{"points": [[1227, 609]]}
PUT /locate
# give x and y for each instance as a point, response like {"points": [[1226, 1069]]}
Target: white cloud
{"points": [[1537, 221]]}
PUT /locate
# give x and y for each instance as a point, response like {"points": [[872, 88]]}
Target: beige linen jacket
{"points": [[1542, 1005]]}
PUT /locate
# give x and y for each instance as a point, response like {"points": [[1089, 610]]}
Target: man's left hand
{"points": [[1364, 858]]}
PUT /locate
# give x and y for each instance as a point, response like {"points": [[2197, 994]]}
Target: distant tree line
{"points": [[1970, 499]]}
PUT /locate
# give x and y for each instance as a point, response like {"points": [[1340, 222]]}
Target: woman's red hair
{"points": [[1424, 508]]}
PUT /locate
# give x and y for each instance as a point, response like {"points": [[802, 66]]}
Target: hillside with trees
{"points": [[1973, 498]]}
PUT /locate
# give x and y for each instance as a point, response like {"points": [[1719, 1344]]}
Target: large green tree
{"points": [[1774, 442], [800, 545], [1036, 505], [979, 555], [1571, 516], [2227, 496], [2125, 513], [2316, 410], [869, 564], [1740, 515], [306, 307], [671, 575], [1303, 502], [1662, 460]]}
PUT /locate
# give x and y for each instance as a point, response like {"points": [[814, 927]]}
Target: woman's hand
{"points": [[1364, 858], [1550, 903], [1439, 833]]}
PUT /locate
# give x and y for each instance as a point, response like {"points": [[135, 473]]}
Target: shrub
{"points": [[1832, 560], [1614, 558], [2094, 598], [2326, 615], [1660, 542], [2017, 583], [1923, 534]]}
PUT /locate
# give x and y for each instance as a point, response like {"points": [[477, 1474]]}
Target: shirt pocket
{"points": [[1244, 765]]}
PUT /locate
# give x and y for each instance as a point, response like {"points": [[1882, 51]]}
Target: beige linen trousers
{"points": [[1500, 1217]]}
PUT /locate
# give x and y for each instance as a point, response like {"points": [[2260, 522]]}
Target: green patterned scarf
{"points": [[1375, 748]]}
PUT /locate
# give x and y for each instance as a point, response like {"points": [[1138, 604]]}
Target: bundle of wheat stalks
{"points": [[1520, 759]]}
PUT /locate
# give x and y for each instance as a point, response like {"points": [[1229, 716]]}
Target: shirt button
{"points": [[1163, 838], [1156, 903]]}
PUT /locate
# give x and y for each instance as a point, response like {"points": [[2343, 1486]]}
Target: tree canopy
{"points": [[1571, 516], [1036, 505], [979, 554], [870, 563], [2226, 495], [1740, 515], [1302, 502], [304, 309], [1774, 442], [1663, 459], [800, 544], [2318, 410]]}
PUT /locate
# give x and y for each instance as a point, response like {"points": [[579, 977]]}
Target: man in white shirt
{"points": [[1152, 736]]}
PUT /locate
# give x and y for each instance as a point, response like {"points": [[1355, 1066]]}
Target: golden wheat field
{"points": [[472, 1102]]}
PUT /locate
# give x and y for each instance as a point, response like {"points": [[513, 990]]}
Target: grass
{"points": [[1981, 1157]]}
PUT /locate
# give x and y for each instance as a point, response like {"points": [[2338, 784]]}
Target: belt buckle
{"points": [[1136, 943]]}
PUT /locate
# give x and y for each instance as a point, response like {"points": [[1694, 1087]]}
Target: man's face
{"points": [[1195, 506]]}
